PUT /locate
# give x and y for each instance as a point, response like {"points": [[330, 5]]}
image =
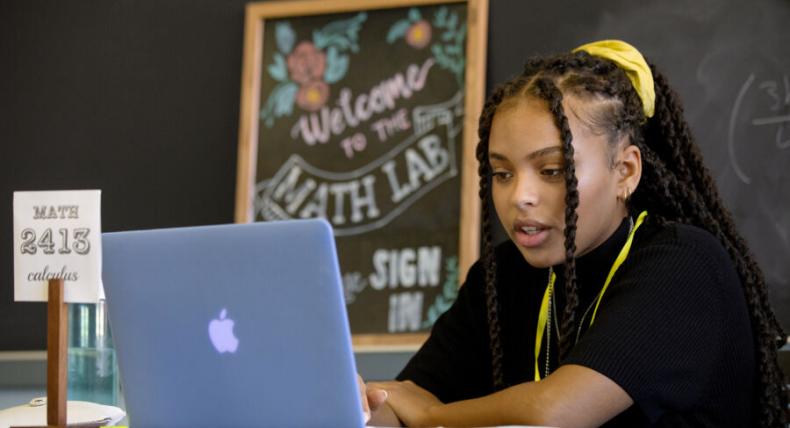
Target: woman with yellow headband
{"points": [[624, 296]]}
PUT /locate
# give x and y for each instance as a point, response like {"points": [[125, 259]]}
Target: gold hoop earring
{"points": [[624, 198]]}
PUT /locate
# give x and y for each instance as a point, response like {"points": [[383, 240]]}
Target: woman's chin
{"points": [[540, 259]]}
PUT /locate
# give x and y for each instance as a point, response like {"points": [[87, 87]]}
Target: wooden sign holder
{"points": [[57, 349], [57, 352]]}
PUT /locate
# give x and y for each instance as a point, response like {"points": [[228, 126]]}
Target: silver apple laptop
{"points": [[231, 326]]}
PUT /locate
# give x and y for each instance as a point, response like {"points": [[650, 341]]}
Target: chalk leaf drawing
{"points": [[449, 293], [447, 48]]}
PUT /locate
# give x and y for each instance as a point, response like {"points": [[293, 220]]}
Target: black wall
{"points": [[140, 98], [137, 98]]}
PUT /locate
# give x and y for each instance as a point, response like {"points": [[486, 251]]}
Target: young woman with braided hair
{"points": [[624, 297]]}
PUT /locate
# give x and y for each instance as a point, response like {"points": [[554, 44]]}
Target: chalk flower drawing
{"points": [[305, 71], [306, 63], [312, 95], [419, 34], [447, 48]]}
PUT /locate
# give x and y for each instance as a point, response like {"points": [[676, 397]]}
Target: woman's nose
{"points": [[525, 194]]}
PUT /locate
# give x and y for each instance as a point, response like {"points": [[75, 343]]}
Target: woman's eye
{"points": [[551, 172], [501, 175]]}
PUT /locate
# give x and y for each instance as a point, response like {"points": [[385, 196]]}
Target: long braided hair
{"points": [[675, 187]]}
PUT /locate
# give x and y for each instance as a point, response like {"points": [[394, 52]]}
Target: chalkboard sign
{"points": [[356, 111]]}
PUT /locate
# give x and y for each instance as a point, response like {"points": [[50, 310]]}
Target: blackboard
{"points": [[356, 113], [730, 63]]}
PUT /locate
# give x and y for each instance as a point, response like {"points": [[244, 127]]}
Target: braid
{"points": [[492, 303], [488, 256], [547, 90], [595, 77], [695, 200]]}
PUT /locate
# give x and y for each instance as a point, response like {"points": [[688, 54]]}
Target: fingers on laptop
{"points": [[376, 397], [363, 397]]}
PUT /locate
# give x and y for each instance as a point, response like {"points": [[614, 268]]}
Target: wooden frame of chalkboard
{"points": [[365, 112]]}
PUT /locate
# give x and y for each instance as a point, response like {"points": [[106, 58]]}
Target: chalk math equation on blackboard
{"points": [[773, 92]]}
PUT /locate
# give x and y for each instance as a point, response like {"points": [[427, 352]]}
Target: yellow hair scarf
{"points": [[632, 62]]}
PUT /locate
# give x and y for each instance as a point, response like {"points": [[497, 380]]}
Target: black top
{"points": [[672, 329]]}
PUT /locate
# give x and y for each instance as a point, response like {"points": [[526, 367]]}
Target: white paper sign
{"points": [[57, 234]]}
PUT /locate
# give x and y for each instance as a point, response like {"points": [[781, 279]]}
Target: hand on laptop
{"points": [[371, 398], [408, 404]]}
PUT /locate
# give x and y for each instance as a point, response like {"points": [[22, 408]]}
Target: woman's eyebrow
{"points": [[544, 152], [536, 154], [497, 156]]}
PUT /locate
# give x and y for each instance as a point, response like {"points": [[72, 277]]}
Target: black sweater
{"points": [[672, 329]]}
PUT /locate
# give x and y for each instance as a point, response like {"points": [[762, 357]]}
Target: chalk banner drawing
{"points": [[301, 190]]}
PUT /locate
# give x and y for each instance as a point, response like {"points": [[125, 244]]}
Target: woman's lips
{"points": [[530, 234], [529, 240]]}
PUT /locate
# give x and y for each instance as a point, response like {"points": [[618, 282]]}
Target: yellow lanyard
{"points": [[544, 305]]}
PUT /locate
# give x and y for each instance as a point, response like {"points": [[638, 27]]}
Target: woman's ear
{"points": [[628, 168]]}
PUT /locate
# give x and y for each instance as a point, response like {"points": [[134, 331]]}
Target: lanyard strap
{"points": [[544, 306], [620, 259], [542, 318]]}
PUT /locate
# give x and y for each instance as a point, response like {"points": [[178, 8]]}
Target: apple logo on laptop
{"points": [[220, 331]]}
